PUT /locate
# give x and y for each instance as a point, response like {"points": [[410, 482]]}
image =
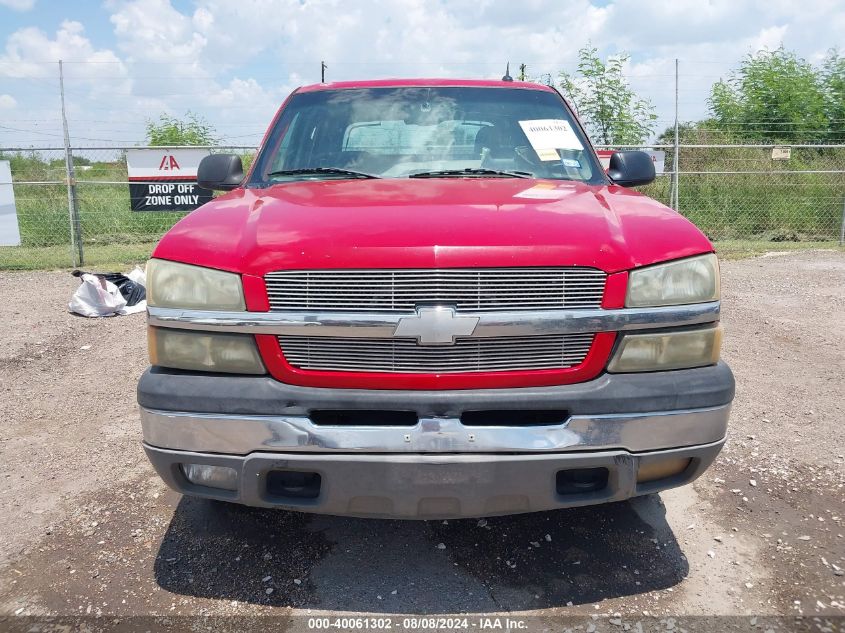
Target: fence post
{"points": [[675, 176], [72, 201], [842, 226]]}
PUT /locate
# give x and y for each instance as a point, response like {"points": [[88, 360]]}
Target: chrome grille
{"points": [[400, 355], [467, 289]]}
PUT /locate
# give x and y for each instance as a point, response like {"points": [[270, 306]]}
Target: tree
{"points": [[774, 96], [704, 132], [833, 82], [189, 130], [612, 112]]}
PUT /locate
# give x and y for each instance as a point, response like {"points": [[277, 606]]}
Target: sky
{"points": [[234, 61]]}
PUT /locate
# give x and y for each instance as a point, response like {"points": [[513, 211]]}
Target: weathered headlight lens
{"points": [[201, 351], [692, 280], [667, 350], [175, 285]]}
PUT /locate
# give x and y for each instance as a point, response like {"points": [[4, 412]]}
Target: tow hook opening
{"points": [[514, 417], [578, 481], [293, 484], [361, 417]]}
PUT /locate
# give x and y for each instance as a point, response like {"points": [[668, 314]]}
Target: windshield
{"points": [[437, 132]]}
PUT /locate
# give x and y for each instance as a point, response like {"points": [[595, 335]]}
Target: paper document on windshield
{"points": [[549, 135]]}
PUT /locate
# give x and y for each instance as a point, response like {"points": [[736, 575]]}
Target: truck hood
{"points": [[431, 223]]}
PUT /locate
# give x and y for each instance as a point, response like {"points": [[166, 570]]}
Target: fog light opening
{"points": [[581, 480], [661, 469], [221, 477]]}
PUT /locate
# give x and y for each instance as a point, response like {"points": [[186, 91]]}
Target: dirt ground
{"points": [[88, 528]]}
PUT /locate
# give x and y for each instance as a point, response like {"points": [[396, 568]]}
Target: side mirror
{"points": [[220, 171], [629, 169]]}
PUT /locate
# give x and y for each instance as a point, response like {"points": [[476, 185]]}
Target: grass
{"points": [[742, 249], [113, 236], [102, 258], [104, 214]]}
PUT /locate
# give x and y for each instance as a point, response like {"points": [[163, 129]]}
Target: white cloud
{"points": [[235, 61], [769, 38], [30, 53], [203, 19], [7, 102], [239, 91], [403, 37], [152, 30], [92, 77], [18, 5], [230, 101]]}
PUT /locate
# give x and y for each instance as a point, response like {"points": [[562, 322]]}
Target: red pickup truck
{"points": [[427, 299]]}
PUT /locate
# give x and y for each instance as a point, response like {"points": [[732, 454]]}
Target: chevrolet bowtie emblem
{"points": [[436, 325]]}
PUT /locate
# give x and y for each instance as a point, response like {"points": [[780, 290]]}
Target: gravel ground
{"points": [[87, 527]]}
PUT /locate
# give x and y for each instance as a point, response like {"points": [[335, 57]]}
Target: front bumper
{"points": [[430, 486], [437, 467]]}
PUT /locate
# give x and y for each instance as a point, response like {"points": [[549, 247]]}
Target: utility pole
{"points": [[72, 202], [676, 203], [323, 72], [522, 72]]}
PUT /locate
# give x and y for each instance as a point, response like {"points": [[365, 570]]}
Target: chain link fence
{"points": [[767, 193], [758, 193], [110, 232]]}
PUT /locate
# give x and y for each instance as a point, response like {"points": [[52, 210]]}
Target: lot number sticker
{"points": [[547, 136]]}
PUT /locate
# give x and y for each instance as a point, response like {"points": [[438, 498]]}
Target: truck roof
{"points": [[402, 83]]}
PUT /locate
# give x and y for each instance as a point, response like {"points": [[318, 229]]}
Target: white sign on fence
{"points": [[10, 234], [165, 179]]}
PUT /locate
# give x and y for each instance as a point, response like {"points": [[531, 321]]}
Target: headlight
{"points": [[663, 351], [202, 351], [693, 280], [174, 285]]}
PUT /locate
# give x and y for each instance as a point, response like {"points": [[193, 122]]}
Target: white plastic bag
{"points": [[97, 297], [138, 275], [141, 306]]}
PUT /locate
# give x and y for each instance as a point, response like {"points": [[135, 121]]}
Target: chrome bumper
{"points": [[244, 434]]}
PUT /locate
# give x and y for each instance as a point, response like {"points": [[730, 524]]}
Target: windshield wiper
{"points": [[332, 171], [470, 171]]}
